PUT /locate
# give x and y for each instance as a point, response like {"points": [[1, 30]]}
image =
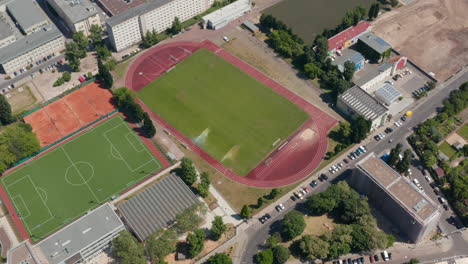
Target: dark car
{"points": [[376, 257], [350, 261], [388, 130], [390, 255], [325, 177], [445, 206], [362, 260], [321, 179], [313, 183], [293, 198], [346, 161]]}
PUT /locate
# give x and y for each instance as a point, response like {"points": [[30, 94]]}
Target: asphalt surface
{"points": [[257, 233]]}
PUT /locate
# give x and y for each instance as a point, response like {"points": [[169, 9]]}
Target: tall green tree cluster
{"points": [[76, 50], [187, 171], [148, 126], [204, 186], [196, 242], [351, 18], [176, 26], [151, 38], [161, 244], [357, 230], [220, 258], [218, 228], [17, 141], [125, 101], [104, 74], [374, 11], [292, 225], [6, 116], [128, 250], [190, 218]]}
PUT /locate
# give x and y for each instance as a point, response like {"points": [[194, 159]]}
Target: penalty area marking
{"points": [[25, 206]]}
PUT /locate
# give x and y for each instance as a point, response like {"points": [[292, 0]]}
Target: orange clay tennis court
{"points": [[68, 114]]}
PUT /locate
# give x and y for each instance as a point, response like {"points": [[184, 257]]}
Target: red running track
{"points": [[287, 164]]}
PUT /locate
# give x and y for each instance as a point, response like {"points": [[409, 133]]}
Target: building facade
{"points": [[130, 26], [396, 197], [225, 15], [79, 15]]}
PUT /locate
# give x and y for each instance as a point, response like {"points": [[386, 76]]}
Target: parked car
{"points": [[388, 130], [376, 257], [371, 259], [306, 190], [385, 256], [346, 161], [441, 200], [293, 198], [313, 183], [264, 218], [279, 207], [298, 195]]}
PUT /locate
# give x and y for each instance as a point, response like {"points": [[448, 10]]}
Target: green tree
{"points": [[195, 242], [160, 244], [59, 82], [128, 250], [95, 35], [66, 76], [190, 218], [285, 44], [404, 164], [245, 212], [148, 126], [105, 75], [187, 171], [321, 203], [150, 39], [394, 3], [218, 228], [321, 48], [376, 10], [313, 247], [273, 193], [349, 69], [204, 186], [394, 155], [312, 70], [292, 225], [72, 55], [390, 240], [176, 26], [103, 52], [360, 128], [265, 257], [273, 240], [280, 254], [428, 158], [82, 42], [220, 258], [259, 202], [6, 116]]}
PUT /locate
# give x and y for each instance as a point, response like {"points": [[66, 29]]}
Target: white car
{"points": [[226, 39], [397, 124], [279, 207]]}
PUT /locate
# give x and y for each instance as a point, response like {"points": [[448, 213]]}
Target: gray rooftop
{"points": [[5, 30], [26, 13], [348, 55], [136, 11], [250, 25], [388, 93], [76, 10], [417, 204], [68, 242], [30, 42], [156, 206], [375, 42], [374, 72], [363, 103]]}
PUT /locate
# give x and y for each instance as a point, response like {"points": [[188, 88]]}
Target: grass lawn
{"points": [[447, 149], [232, 116], [77, 176], [121, 68], [318, 225], [463, 132]]}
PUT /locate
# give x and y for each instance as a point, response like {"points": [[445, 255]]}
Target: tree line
{"points": [[425, 140], [356, 229], [124, 99]]}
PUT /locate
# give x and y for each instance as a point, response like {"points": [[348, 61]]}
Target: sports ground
{"points": [[229, 114], [244, 124], [74, 177]]}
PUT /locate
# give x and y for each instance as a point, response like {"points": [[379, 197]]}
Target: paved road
{"points": [[256, 233]]}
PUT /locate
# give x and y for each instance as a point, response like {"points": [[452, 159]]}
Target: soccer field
{"points": [[232, 116], [77, 176]]}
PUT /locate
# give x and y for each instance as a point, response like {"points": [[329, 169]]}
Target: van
{"points": [[385, 255]]}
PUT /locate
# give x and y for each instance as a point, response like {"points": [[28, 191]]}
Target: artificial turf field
{"points": [[232, 116], [75, 177]]}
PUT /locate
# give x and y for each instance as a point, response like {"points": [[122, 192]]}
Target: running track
{"points": [[285, 165]]}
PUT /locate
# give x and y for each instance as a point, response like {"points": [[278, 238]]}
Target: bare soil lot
{"points": [[432, 33]]}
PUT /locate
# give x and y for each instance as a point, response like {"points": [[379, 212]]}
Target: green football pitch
{"points": [[77, 176], [229, 114]]}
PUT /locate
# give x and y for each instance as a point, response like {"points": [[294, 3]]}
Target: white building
{"points": [[79, 15], [83, 239], [129, 27], [223, 16]]}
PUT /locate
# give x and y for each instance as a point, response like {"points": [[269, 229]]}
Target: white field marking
{"points": [[129, 136], [44, 192], [45, 204], [72, 163], [125, 162], [23, 216], [113, 154], [78, 184]]}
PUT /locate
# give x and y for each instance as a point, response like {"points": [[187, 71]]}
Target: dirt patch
{"points": [[432, 33], [318, 225], [21, 99]]}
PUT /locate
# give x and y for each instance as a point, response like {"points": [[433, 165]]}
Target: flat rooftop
{"points": [[155, 207], [71, 240], [115, 7], [136, 11], [225, 12], [5, 30], [29, 42], [399, 188], [21, 254], [362, 103], [375, 42], [76, 10], [26, 13]]}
